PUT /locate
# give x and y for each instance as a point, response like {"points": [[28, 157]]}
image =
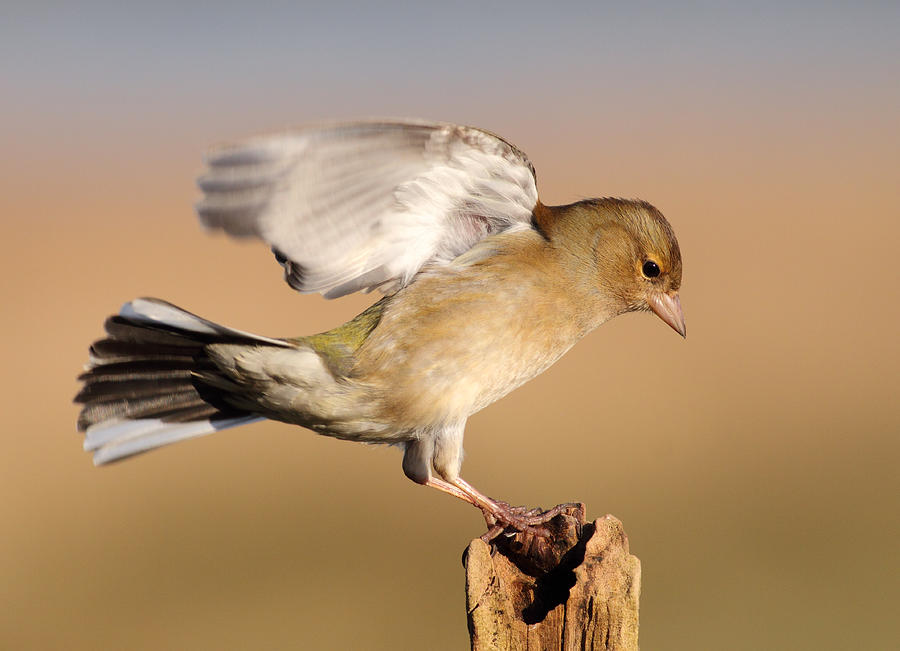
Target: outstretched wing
{"points": [[365, 205]]}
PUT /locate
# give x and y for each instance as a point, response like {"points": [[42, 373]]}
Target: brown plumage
{"points": [[486, 288]]}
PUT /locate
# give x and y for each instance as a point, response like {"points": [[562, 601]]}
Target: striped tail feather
{"points": [[148, 383]]}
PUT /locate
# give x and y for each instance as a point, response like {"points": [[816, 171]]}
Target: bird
{"points": [[483, 288]]}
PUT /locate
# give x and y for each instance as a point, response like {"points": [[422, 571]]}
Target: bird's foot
{"points": [[535, 540], [522, 528], [512, 521]]}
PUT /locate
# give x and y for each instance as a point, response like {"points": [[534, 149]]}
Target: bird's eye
{"points": [[650, 269]]}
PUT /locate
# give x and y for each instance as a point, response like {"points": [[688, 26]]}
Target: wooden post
{"points": [[578, 588]]}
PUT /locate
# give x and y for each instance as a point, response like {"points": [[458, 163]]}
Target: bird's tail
{"points": [[147, 383]]}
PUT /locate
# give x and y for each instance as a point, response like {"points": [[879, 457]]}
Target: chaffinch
{"points": [[485, 287]]}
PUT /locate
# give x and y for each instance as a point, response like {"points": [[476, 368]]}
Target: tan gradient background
{"points": [[754, 464]]}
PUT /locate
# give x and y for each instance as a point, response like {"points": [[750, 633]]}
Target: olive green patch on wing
{"points": [[337, 346]]}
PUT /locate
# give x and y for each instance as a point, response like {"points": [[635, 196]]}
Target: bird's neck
{"points": [[543, 218], [571, 232], [569, 221]]}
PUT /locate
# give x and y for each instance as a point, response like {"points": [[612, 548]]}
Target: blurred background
{"points": [[754, 465]]}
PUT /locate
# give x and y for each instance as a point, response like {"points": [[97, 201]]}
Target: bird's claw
{"points": [[515, 520]]}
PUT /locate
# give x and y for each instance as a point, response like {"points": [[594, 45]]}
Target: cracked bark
{"points": [[578, 588]]}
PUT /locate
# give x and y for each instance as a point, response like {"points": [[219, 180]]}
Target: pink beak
{"points": [[668, 308]]}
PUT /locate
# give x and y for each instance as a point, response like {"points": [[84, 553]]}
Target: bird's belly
{"points": [[453, 377], [458, 339]]}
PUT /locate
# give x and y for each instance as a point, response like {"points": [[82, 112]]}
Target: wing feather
{"points": [[365, 205]]}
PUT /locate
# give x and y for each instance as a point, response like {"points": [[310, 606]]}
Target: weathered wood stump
{"points": [[577, 588]]}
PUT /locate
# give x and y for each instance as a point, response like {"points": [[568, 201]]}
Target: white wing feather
{"points": [[362, 205]]}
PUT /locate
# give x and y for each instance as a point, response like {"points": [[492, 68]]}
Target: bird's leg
{"points": [[500, 515], [421, 456], [450, 489]]}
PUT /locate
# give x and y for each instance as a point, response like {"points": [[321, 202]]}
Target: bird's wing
{"points": [[361, 205]]}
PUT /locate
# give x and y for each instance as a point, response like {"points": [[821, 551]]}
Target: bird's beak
{"points": [[668, 308]]}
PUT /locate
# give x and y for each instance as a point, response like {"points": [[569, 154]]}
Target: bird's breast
{"points": [[454, 342]]}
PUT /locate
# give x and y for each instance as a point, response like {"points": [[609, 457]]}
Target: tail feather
{"points": [[150, 381], [126, 438], [160, 314], [110, 389], [159, 405]]}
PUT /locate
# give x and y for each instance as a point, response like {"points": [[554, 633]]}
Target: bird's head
{"points": [[634, 254]]}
